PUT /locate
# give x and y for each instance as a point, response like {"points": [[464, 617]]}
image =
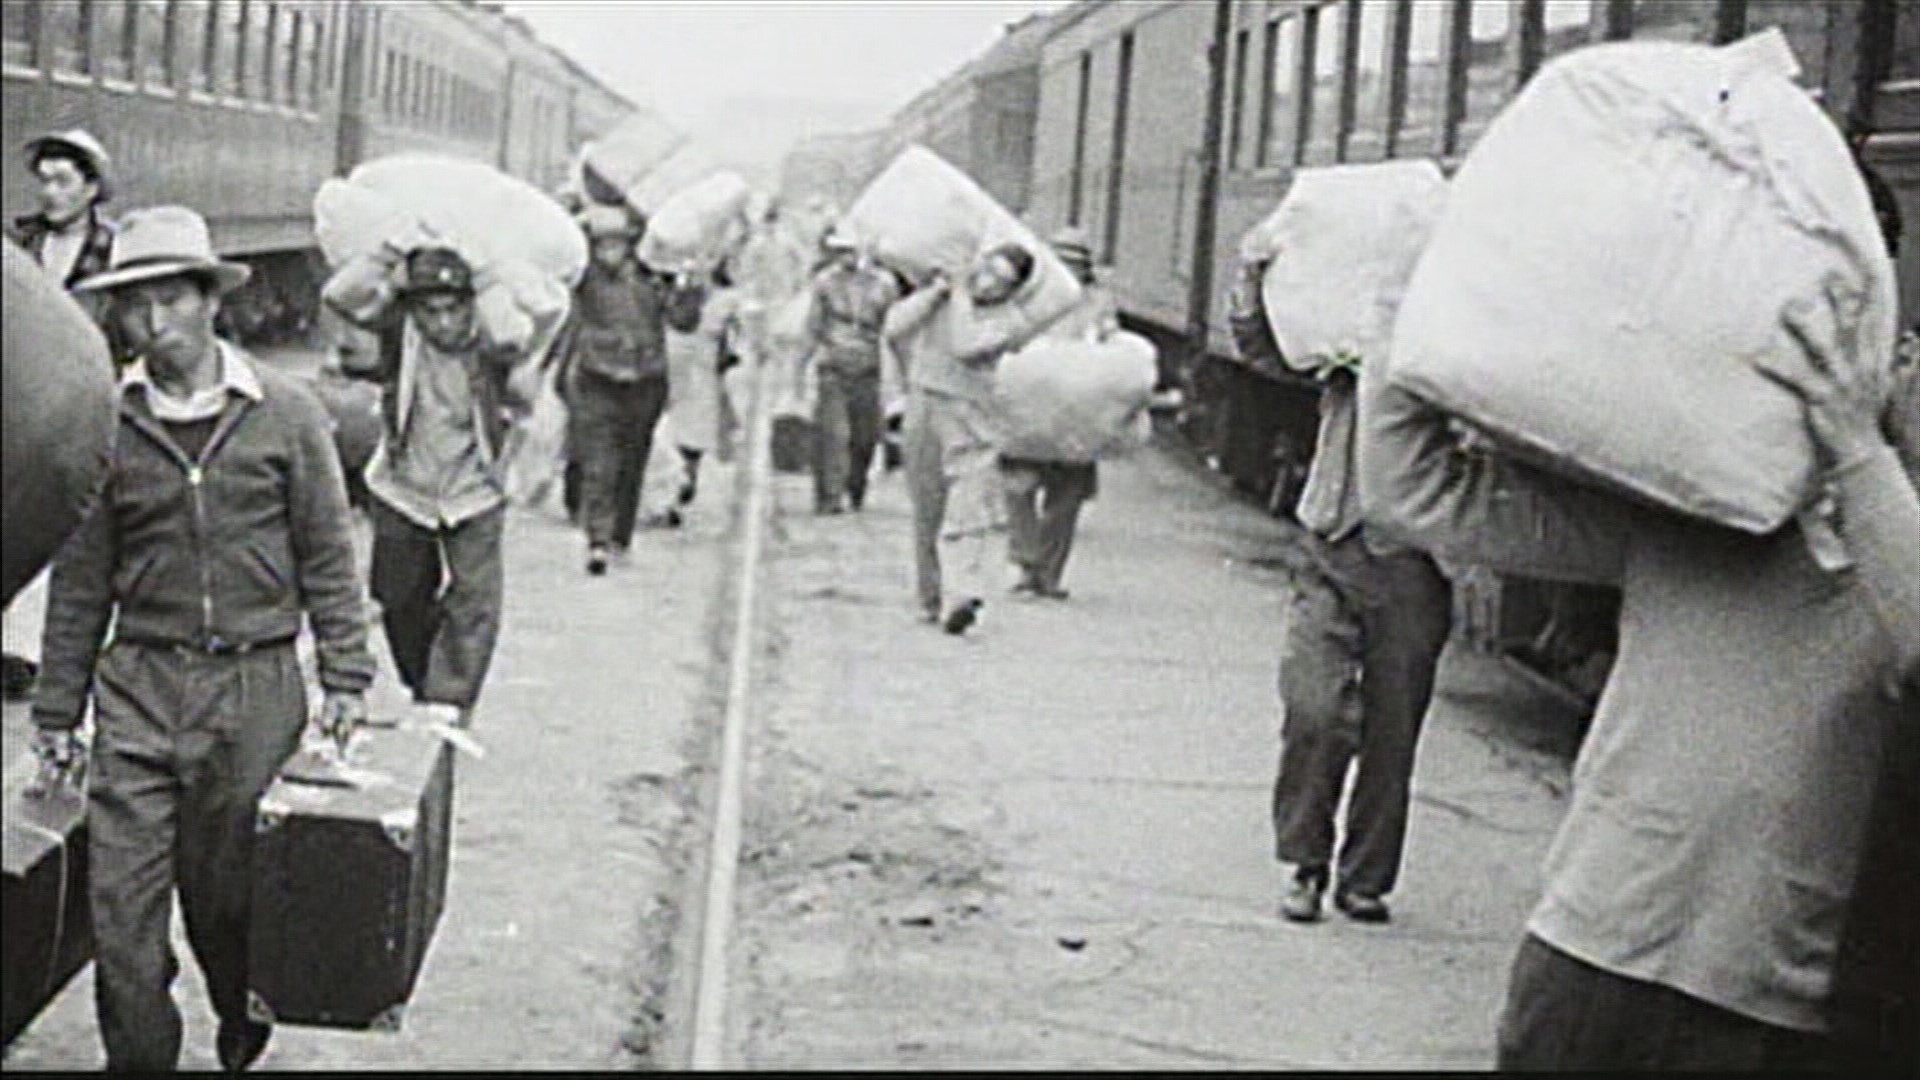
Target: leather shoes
{"points": [[1361, 907], [962, 618], [241, 1043], [1302, 902]]}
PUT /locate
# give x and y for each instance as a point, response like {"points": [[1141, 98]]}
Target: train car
{"points": [[1169, 128], [240, 108]]}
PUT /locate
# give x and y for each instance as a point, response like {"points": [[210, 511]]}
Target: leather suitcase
{"points": [[792, 449], [349, 876], [46, 921]]}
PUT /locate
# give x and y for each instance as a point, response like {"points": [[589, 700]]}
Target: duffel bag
{"points": [[1074, 400]]}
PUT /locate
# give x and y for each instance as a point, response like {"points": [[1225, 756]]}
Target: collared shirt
{"points": [[438, 473], [60, 251], [849, 305], [620, 332], [932, 360], [236, 377]]}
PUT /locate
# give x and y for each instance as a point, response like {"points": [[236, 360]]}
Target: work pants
{"points": [[613, 431], [1564, 1014], [846, 424], [1043, 507], [440, 593], [1357, 660], [953, 481], [185, 744]]}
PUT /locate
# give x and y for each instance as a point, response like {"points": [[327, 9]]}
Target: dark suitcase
{"points": [[349, 875], [792, 448], [46, 921]]}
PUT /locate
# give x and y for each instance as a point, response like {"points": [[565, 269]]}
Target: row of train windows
{"points": [[257, 50], [415, 90], [1285, 101]]}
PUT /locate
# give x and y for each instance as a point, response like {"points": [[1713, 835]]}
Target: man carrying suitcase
{"points": [[223, 524]]}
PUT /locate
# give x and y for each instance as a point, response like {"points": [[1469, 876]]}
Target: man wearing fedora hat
{"points": [[614, 357], [70, 240], [224, 525], [849, 302], [1044, 497]]}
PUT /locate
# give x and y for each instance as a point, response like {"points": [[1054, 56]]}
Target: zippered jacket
{"points": [[230, 549]]}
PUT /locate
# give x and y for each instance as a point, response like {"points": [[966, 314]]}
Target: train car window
{"points": [[389, 71], [228, 37], [261, 49], [1323, 100], [1906, 46], [1675, 20], [190, 50], [66, 29], [1237, 114], [155, 32], [313, 60], [1269, 48], [17, 32], [292, 38], [1283, 91], [1489, 75], [1426, 82], [1370, 83], [1808, 28], [1567, 25], [118, 38]]}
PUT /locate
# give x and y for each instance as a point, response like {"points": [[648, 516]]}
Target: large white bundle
{"points": [[689, 164], [922, 214], [698, 225], [1074, 400], [1615, 255], [627, 154], [525, 251], [1342, 245]]}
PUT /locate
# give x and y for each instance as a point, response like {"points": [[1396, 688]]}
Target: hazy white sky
{"points": [[688, 58]]}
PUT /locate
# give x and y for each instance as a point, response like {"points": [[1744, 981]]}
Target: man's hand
{"points": [[340, 712], [1845, 392], [61, 756]]}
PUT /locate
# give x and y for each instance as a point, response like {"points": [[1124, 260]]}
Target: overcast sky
{"points": [[688, 59]]}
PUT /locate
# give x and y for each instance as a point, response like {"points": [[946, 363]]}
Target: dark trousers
{"points": [[1357, 660], [440, 594], [613, 425], [846, 419], [185, 744], [1562, 1013], [1043, 508]]}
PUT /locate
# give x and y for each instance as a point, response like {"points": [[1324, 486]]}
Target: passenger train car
{"points": [[240, 108], [1167, 128]]}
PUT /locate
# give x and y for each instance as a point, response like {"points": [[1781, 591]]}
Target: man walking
{"points": [[615, 357], [437, 478], [70, 240], [1044, 497], [849, 302], [224, 522], [1363, 634]]}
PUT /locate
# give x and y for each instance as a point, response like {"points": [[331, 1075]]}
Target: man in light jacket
{"points": [[1696, 889]]}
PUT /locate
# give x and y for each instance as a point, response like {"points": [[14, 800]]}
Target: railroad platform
{"points": [[1046, 844], [1042, 844]]}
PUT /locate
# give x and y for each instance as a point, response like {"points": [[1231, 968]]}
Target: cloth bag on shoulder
{"points": [[1341, 246], [697, 226], [1074, 400], [921, 214], [1616, 253]]}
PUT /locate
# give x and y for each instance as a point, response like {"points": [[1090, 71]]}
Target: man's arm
{"points": [[79, 607], [320, 523], [1418, 486], [912, 311]]}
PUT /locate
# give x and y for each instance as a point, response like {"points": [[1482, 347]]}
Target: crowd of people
{"points": [[1690, 916]]}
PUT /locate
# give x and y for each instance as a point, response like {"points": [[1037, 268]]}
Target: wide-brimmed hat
{"points": [[81, 142], [1073, 245], [602, 220], [161, 241]]}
